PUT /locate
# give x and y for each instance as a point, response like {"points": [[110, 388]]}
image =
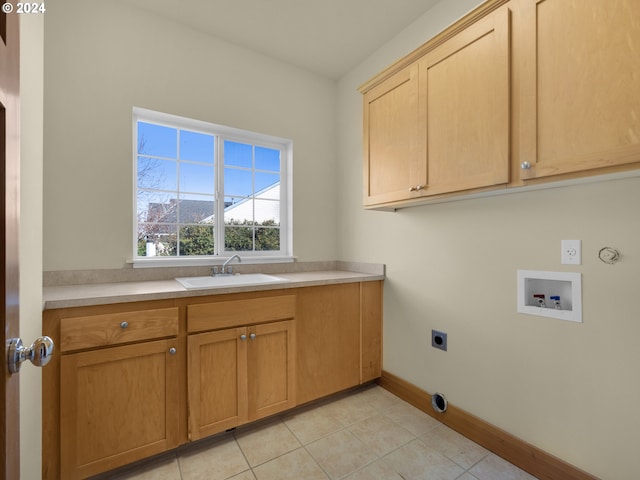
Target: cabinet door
{"points": [[464, 95], [371, 330], [118, 405], [328, 348], [271, 368], [394, 162], [580, 101], [217, 364]]}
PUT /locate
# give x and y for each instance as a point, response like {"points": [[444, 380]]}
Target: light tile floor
{"points": [[369, 434]]}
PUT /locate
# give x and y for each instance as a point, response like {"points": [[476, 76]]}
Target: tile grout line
{"points": [[308, 452], [235, 439]]}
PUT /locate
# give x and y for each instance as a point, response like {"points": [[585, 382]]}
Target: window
{"points": [[204, 190]]}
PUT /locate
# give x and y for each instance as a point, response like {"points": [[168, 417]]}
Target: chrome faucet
{"points": [[226, 270]]}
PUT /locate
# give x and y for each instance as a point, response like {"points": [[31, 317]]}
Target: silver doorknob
{"points": [[124, 324], [172, 351], [39, 353], [252, 336], [243, 337], [525, 165]]}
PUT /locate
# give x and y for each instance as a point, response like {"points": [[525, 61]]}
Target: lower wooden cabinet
{"points": [[239, 375], [271, 368], [370, 331], [117, 405], [329, 348], [129, 381], [339, 338]]}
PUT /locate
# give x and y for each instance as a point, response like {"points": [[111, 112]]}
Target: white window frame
{"points": [[222, 133]]}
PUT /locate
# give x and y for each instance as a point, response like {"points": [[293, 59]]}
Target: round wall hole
{"points": [[439, 402], [438, 339]]}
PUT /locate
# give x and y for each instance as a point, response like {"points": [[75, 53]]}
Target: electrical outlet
{"points": [[571, 252], [439, 340]]}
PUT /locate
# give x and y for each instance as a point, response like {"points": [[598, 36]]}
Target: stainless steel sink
{"points": [[237, 280]]}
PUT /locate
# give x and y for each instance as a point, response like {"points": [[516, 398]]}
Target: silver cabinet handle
{"points": [[172, 351], [412, 189], [420, 187], [525, 165], [124, 324], [416, 188], [243, 337], [252, 336]]}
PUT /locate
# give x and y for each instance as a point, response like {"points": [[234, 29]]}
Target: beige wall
{"points": [[31, 87], [100, 61], [571, 389]]}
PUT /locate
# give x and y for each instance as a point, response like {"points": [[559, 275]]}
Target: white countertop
{"points": [[108, 293]]}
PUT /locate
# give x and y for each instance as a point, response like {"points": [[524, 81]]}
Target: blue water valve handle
{"points": [[556, 301]]}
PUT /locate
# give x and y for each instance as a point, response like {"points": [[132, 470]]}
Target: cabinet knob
{"points": [[416, 188], [243, 337], [525, 165], [420, 187], [124, 324], [172, 351], [412, 189], [252, 336]]}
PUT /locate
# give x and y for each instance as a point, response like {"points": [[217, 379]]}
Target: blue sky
{"points": [[159, 154]]}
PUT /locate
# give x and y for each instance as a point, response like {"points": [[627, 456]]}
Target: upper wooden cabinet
{"points": [[579, 94], [464, 108], [515, 93], [393, 159], [441, 124]]}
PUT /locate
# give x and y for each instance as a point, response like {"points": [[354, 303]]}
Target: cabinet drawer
{"points": [[116, 328], [235, 313]]}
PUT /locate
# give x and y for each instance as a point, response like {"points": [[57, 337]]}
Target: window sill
{"points": [[154, 262]]}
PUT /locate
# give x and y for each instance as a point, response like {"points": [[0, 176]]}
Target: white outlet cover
{"points": [[571, 252]]}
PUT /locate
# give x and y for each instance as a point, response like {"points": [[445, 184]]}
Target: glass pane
{"points": [[162, 239], [196, 240], [267, 159], [196, 178], [196, 209], [240, 213], [157, 207], [198, 147], [157, 140], [267, 239], [266, 183], [157, 174], [230, 201], [237, 182], [238, 239], [267, 212], [166, 245], [237, 154]]}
